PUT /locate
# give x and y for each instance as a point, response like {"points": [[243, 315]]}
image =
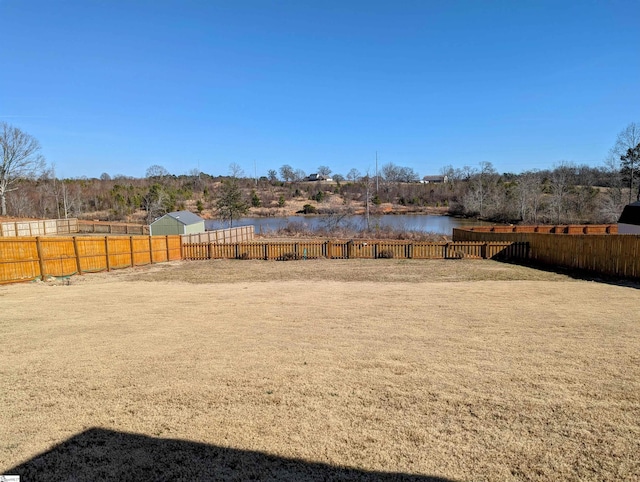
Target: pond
{"points": [[400, 222]]}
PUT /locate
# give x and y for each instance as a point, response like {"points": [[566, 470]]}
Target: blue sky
{"points": [[118, 86]]}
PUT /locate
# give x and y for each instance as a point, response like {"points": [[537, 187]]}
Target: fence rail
{"points": [[608, 254], [355, 249], [28, 258]]}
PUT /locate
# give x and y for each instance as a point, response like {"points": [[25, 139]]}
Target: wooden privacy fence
{"points": [[609, 254], [549, 229], [27, 258], [355, 249], [241, 234], [105, 227], [40, 227]]}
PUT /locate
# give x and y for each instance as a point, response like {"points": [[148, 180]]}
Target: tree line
{"points": [[566, 193]]}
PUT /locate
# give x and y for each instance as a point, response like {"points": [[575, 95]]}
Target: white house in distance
{"points": [[317, 177], [434, 179], [178, 222], [629, 222]]}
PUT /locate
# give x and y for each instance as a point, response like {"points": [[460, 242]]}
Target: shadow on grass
{"points": [[579, 274], [99, 454]]}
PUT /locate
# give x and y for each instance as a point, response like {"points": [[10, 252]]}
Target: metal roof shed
{"points": [[178, 222], [629, 222]]}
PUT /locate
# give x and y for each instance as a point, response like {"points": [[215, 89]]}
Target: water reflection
{"points": [[401, 222]]}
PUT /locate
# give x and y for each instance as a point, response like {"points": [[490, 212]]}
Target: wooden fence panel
{"points": [[105, 227], [360, 249], [336, 250], [19, 260], [57, 256], [141, 254], [92, 254], [464, 250], [250, 251], [312, 250], [159, 252], [243, 234], [119, 252], [41, 227], [174, 248], [608, 254], [26, 258], [66, 226], [196, 251], [282, 250], [421, 250]]}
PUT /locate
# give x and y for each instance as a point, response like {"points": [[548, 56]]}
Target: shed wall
{"points": [[165, 226], [194, 228]]}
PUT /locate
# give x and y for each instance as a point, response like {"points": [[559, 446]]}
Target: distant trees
{"points": [[324, 171], [21, 158], [620, 174], [630, 169]]}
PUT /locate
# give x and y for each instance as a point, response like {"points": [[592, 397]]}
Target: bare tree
{"points": [[353, 175], [287, 173], [235, 170], [324, 171], [480, 189], [628, 138], [529, 196], [21, 158], [560, 183], [156, 171], [299, 175]]}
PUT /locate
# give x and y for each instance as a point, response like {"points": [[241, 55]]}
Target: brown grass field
{"points": [[321, 370]]}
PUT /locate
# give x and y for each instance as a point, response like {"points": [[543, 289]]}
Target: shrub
{"points": [[243, 256], [309, 209], [385, 253], [288, 257]]}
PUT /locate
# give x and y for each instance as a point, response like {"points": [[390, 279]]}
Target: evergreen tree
{"points": [[231, 204], [630, 169]]}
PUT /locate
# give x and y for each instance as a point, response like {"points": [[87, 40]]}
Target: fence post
{"points": [[265, 247], [483, 251], [237, 250], [77, 252], [329, 250], [40, 260], [106, 250], [131, 250], [150, 250], [446, 251]]}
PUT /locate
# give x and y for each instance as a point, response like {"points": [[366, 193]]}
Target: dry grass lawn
{"points": [[360, 369]]}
